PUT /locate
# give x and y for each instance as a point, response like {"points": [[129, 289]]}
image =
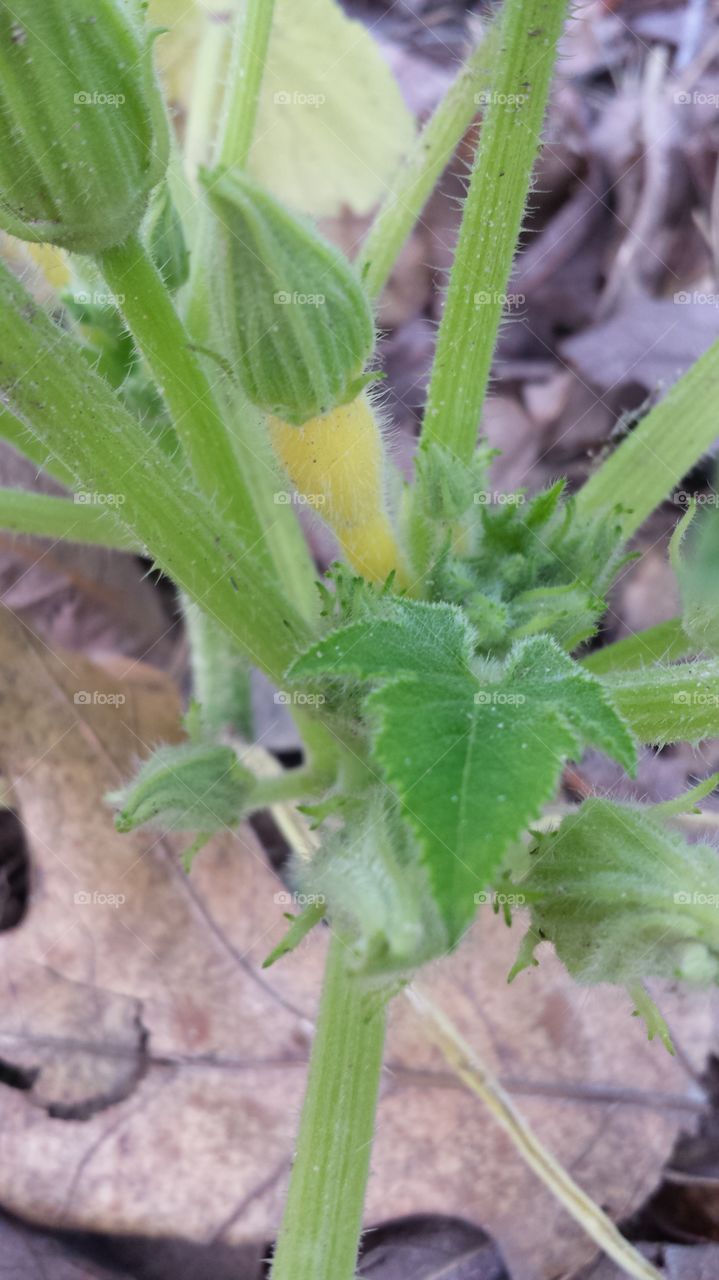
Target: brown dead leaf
{"points": [[134, 998]]}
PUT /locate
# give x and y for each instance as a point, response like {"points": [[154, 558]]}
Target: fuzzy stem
{"points": [[321, 1228], [16, 433], [424, 164], [163, 340], [46, 516], [491, 223], [67, 408], [660, 450], [475, 1075], [220, 673], [249, 55]]}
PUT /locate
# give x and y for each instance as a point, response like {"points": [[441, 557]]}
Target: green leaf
{"points": [[669, 704], [415, 638], [472, 761], [324, 72], [474, 765]]}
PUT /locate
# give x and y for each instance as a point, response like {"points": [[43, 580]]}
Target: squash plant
{"points": [[439, 675]]}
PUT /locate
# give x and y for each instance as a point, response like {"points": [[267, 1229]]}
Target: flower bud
{"points": [[297, 322], [624, 898], [190, 787], [83, 132]]}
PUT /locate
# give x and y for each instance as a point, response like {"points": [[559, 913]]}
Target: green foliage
{"points": [[623, 898], [473, 749], [83, 133], [698, 573], [518, 566], [166, 239]]}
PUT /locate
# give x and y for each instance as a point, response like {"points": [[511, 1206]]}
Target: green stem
{"points": [[220, 673], [323, 1215], [660, 450], [247, 66], [45, 516], [165, 344], [491, 223], [421, 170], [67, 408], [16, 433], [665, 642]]}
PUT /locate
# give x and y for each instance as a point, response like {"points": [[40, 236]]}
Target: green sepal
{"points": [[296, 321], [189, 787], [165, 239], [623, 898], [83, 131]]}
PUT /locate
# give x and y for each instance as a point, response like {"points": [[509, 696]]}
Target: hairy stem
{"points": [[422, 168], [661, 450], [491, 223], [249, 55], [161, 337], [45, 516], [323, 1215]]}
